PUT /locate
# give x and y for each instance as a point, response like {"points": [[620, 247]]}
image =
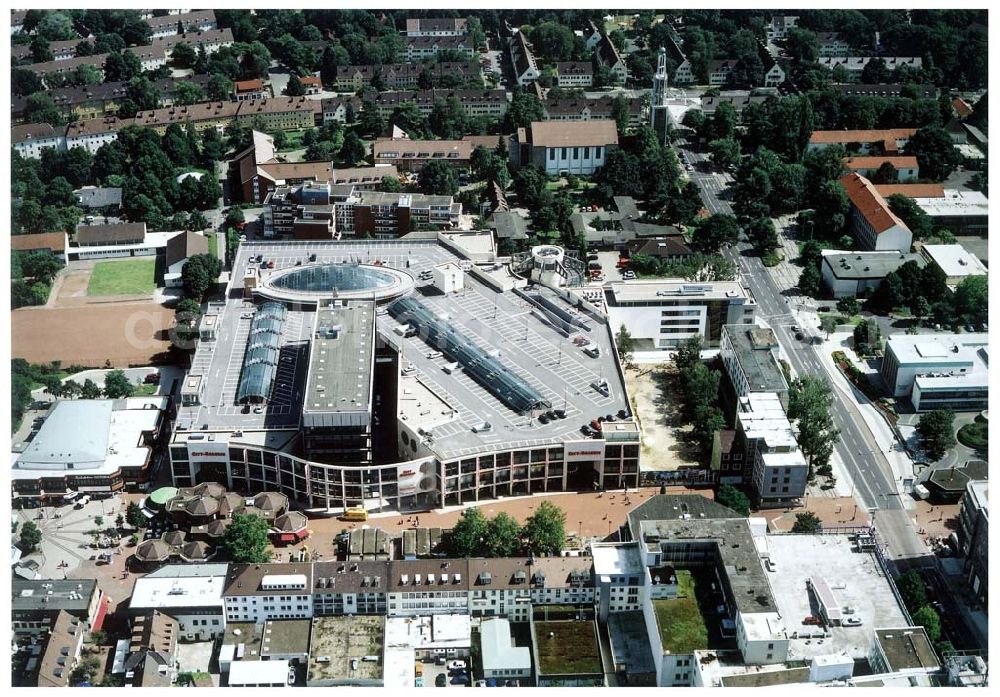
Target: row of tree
{"points": [[475, 535], [698, 389]]}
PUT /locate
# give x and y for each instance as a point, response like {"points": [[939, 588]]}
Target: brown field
{"points": [[123, 333]]}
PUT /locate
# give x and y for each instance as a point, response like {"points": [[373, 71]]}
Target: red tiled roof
{"points": [[961, 107], [888, 136], [248, 85], [901, 162], [870, 203], [911, 190], [56, 241]]}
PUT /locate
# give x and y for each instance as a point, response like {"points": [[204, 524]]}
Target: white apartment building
{"points": [[30, 139], [91, 134], [190, 593], [259, 592]]}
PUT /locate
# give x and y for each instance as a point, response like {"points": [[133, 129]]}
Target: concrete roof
{"points": [[955, 203], [867, 265], [193, 591], [337, 640], [753, 347], [674, 289], [907, 648], [498, 651], [616, 560], [340, 364], [258, 672], [72, 595], [283, 637], [954, 260]]}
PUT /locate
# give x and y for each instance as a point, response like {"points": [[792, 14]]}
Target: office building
{"points": [[938, 371]]}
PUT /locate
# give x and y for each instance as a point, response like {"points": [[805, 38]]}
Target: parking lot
{"points": [[432, 670]]}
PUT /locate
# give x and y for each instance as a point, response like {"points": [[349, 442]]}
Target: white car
{"points": [[456, 665], [852, 621]]}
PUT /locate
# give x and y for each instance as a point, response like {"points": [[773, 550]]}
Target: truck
{"points": [[359, 514]]}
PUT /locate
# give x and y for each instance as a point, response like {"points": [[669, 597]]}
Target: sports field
{"points": [[125, 277]]}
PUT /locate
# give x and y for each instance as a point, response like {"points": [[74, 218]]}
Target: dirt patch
{"points": [[665, 442], [123, 333], [70, 289]]}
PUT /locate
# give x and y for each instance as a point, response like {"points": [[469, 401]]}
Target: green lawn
{"points": [[125, 277], [294, 140], [145, 390], [567, 647], [841, 318], [975, 435], [213, 244], [682, 627]]}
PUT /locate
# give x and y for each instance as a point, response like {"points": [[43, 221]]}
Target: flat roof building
{"points": [[749, 355], [954, 260], [937, 372], [903, 650], [501, 658], [962, 212], [856, 274], [338, 647]]}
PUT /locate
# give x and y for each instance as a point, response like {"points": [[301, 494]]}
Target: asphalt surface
{"points": [[862, 457]]}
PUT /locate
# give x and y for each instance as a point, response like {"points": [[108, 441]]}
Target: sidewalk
{"points": [[895, 452]]}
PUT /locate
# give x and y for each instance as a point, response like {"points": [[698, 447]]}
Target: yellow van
{"points": [[355, 514]]}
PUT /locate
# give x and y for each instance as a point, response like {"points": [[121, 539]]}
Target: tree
{"points": [[849, 306], [135, 516], [31, 536], [936, 154], [438, 178], [352, 150], [811, 253], [809, 402], [85, 671], [762, 236], [121, 66], [39, 108], [866, 337], [246, 540], [688, 354], [916, 219], [90, 390], [620, 113], [911, 588], [828, 324], [626, 345], [714, 232], [810, 281], [502, 537], [801, 45], [119, 520], [733, 498], [218, 87], [545, 530], [928, 618], [117, 385], [724, 151], [183, 55], [468, 534], [972, 298], [553, 42], [707, 421], [25, 82], [199, 274], [885, 174], [936, 431], [807, 522], [57, 26], [524, 108], [294, 88], [98, 521]]}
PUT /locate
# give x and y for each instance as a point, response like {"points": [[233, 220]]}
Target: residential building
{"points": [[152, 660], [259, 592], [37, 605], [61, 50], [588, 109], [419, 48], [683, 72], [662, 314], [775, 466], [29, 140], [749, 354], [67, 65], [907, 169], [93, 133], [974, 517], [574, 74], [411, 155], [304, 211], [203, 115], [889, 141], [557, 148], [211, 40], [779, 26], [249, 90], [435, 26], [190, 593], [832, 45], [606, 55], [489, 104], [938, 371], [173, 24], [905, 650], [857, 274], [522, 59], [671, 248], [954, 260], [99, 200], [63, 647], [502, 660], [720, 71], [389, 215], [925, 91], [90, 445], [619, 578], [312, 84], [343, 110], [17, 21], [739, 100], [591, 36], [283, 113], [402, 76], [180, 248], [873, 223], [959, 210], [855, 65], [150, 57]]}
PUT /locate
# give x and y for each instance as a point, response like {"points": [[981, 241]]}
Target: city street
{"points": [[873, 480]]}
